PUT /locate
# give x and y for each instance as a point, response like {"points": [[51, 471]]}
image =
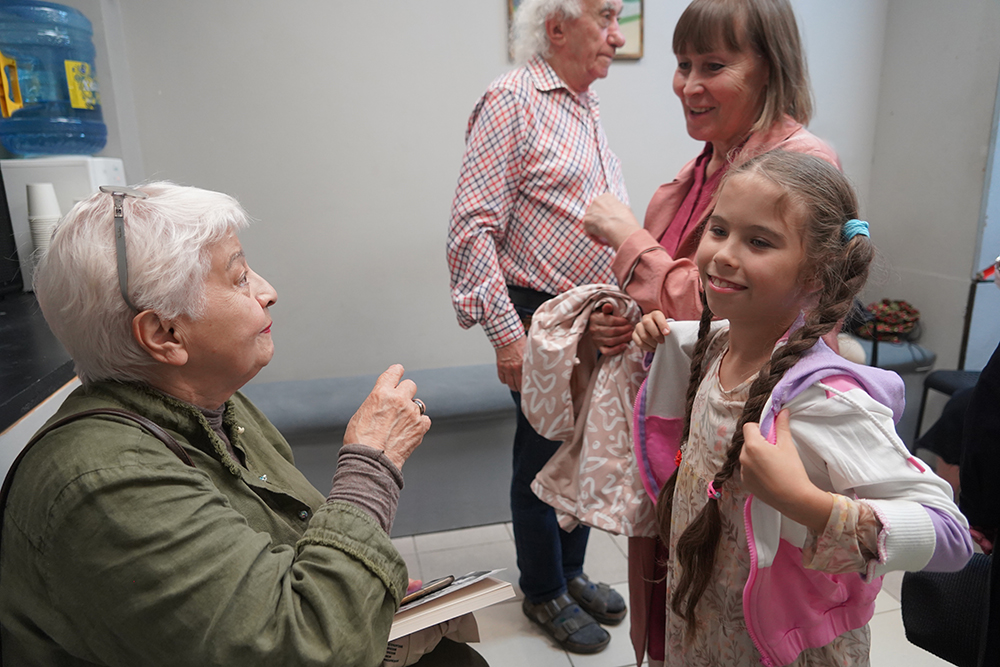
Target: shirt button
{"points": [[240, 430], [304, 514]]}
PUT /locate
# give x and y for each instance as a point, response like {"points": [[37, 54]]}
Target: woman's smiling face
{"points": [[722, 93]]}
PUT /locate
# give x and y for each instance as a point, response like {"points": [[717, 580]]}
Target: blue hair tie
{"points": [[854, 227]]}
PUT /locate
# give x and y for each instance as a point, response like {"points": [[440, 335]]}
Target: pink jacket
{"points": [[647, 272]]}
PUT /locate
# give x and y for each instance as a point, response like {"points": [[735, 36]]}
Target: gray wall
{"points": [[932, 143], [340, 128]]}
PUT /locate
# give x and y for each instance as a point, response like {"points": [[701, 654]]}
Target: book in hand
{"points": [[466, 593]]}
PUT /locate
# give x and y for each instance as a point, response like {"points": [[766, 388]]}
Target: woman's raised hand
{"points": [[651, 330], [390, 419], [609, 221]]}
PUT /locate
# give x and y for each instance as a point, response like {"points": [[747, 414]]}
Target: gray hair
{"points": [[168, 239], [527, 31]]}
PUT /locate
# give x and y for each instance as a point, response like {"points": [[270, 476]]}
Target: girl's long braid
{"points": [[843, 269], [665, 499]]}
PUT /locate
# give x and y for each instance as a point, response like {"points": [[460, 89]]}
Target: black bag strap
{"points": [[145, 423]]}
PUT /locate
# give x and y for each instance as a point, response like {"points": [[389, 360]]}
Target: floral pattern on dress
{"points": [[722, 637]]}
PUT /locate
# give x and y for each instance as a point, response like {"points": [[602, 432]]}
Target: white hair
{"points": [[168, 239], [527, 32]]}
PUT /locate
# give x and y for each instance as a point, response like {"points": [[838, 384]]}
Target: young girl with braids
{"points": [[777, 533]]}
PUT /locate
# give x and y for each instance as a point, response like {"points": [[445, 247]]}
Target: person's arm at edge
{"points": [[979, 497]]}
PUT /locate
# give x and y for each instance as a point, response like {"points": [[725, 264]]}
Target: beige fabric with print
{"points": [[572, 394]]}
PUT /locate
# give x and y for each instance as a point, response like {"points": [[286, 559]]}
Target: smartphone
{"points": [[428, 588]]}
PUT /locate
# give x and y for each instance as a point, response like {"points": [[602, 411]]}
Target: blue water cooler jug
{"points": [[51, 104]]}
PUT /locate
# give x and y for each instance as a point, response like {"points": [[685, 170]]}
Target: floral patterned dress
{"points": [[722, 637]]}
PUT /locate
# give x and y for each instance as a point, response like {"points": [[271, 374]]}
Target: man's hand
{"points": [[389, 419], [609, 221], [510, 359], [611, 333]]}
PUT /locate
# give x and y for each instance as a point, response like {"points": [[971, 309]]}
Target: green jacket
{"points": [[116, 553]]}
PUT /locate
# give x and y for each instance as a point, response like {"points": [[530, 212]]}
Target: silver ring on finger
{"points": [[420, 405]]}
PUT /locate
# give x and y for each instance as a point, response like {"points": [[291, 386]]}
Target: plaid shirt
{"points": [[535, 158]]}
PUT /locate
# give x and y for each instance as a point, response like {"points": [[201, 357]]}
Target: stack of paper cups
{"points": [[43, 214]]}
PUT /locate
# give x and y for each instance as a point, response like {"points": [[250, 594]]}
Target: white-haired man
{"points": [[536, 156]]}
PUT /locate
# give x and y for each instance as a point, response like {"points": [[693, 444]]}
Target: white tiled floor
{"points": [[510, 640]]}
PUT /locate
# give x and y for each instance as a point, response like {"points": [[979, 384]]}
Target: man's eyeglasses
{"points": [[118, 193]]}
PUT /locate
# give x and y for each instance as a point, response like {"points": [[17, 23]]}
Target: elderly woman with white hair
{"points": [[159, 519]]}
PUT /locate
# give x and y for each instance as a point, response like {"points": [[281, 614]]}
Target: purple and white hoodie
{"points": [[842, 422]]}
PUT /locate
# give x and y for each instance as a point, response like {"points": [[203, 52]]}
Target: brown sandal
{"points": [[599, 600], [569, 625]]}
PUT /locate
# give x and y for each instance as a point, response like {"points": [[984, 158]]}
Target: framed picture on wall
{"points": [[630, 22]]}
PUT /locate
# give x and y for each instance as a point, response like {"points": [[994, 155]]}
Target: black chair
{"points": [[946, 382]]}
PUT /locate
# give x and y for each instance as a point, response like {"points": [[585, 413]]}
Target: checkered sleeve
{"points": [[480, 215]]}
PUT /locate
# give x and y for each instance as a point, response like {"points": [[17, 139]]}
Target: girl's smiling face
{"points": [[752, 255]]}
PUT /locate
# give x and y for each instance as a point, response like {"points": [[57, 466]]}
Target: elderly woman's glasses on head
{"points": [[118, 193]]}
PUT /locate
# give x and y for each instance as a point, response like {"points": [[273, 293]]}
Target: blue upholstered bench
{"points": [[314, 407], [466, 454], [473, 427], [299, 407], [901, 357]]}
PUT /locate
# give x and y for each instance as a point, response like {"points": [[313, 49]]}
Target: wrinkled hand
{"points": [[611, 333], [651, 330], [510, 359], [775, 474], [389, 419], [609, 221]]}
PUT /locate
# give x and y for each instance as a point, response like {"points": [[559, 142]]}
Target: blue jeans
{"points": [[547, 556]]}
